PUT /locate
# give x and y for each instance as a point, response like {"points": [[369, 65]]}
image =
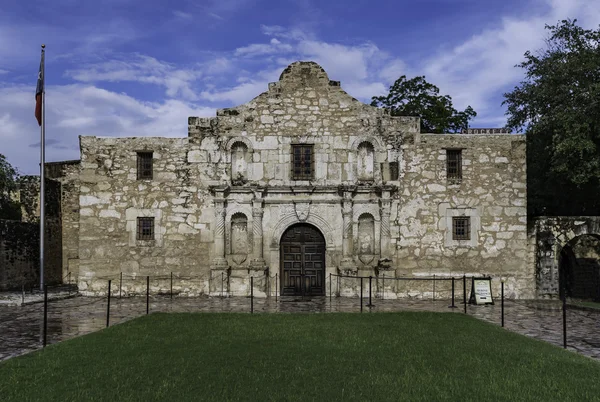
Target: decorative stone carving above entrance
{"points": [[302, 210]]}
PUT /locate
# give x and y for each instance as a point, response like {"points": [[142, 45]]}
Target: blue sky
{"points": [[140, 68]]}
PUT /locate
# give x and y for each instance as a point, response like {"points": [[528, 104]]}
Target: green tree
{"points": [[558, 106], [9, 209], [417, 97]]}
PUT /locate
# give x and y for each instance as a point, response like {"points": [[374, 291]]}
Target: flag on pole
{"points": [[38, 93]]}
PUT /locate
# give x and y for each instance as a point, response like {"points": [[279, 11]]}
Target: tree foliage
{"points": [[417, 97], [558, 106], [9, 209]]}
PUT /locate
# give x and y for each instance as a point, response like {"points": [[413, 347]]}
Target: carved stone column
{"points": [[219, 239], [347, 261], [385, 235], [258, 260]]}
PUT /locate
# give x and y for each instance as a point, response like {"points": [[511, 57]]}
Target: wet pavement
{"points": [[21, 327]]}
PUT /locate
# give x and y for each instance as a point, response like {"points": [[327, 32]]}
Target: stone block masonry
{"points": [[303, 154]]}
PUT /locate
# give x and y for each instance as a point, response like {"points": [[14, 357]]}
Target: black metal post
{"points": [[502, 303], [452, 306], [45, 314], [564, 317], [433, 287], [108, 305], [330, 287], [383, 285], [251, 295], [370, 291], [147, 294], [171, 285], [120, 284], [465, 292], [222, 281], [276, 287], [361, 294]]}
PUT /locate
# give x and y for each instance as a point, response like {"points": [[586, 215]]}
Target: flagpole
{"points": [[42, 169]]}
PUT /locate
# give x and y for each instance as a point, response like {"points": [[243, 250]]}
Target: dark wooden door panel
{"points": [[303, 261]]}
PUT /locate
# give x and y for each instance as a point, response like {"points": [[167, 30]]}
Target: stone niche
{"points": [[239, 239]]}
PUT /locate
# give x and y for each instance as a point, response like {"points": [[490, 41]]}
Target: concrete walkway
{"points": [[21, 327]]}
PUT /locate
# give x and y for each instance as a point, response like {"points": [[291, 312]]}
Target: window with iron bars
{"points": [[461, 228], [144, 165], [302, 162], [145, 228], [454, 164]]}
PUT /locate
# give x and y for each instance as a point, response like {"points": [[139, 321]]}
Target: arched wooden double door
{"points": [[302, 261]]}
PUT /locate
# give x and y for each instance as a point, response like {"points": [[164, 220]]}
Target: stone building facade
{"points": [[301, 182]]}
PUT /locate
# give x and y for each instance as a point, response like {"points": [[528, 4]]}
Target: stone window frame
{"points": [[457, 177], [461, 228], [302, 176], [145, 223], [145, 172], [474, 215], [131, 217]]}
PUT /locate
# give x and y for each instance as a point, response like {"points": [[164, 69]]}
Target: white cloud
{"points": [[281, 32], [140, 68], [182, 14], [392, 70], [238, 95], [216, 16], [475, 71], [74, 110], [259, 49], [365, 91], [346, 63]]}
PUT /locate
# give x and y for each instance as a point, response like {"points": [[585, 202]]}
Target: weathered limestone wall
{"points": [[492, 192], [223, 197], [111, 199]]}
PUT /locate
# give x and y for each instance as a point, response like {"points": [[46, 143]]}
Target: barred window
{"points": [[302, 162], [454, 164], [461, 228], [144, 165], [145, 228]]}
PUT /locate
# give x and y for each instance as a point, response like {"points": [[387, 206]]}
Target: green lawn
{"points": [[587, 304], [300, 357]]}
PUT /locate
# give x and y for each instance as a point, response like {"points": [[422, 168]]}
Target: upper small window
{"points": [[454, 164], [145, 228], [144, 165], [302, 162], [461, 228]]}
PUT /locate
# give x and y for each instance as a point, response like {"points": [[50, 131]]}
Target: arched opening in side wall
{"points": [[579, 268]]}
